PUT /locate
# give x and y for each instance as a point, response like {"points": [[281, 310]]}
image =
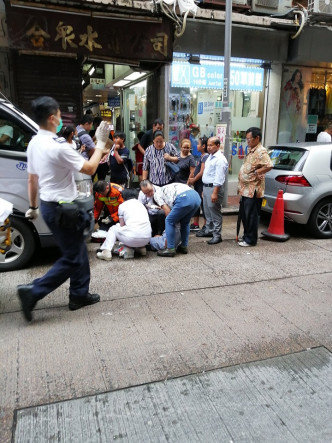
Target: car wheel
{"points": [[22, 248], [320, 222]]}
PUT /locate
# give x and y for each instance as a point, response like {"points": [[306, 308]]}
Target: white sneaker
{"points": [[105, 254], [244, 244], [141, 251]]}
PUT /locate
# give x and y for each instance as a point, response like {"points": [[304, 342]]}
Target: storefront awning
{"points": [[247, 41], [312, 47]]}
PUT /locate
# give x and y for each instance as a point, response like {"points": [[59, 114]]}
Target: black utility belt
{"points": [[208, 185], [75, 215]]}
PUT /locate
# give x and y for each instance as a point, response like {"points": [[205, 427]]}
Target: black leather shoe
{"points": [[28, 300], [202, 233], [80, 302], [168, 252], [214, 240], [182, 249]]}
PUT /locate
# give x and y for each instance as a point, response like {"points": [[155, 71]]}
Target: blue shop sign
{"points": [[114, 102], [207, 76]]}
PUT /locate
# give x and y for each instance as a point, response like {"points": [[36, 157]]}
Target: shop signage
{"points": [[312, 121], [207, 76], [50, 31], [114, 102], [97, 83]]}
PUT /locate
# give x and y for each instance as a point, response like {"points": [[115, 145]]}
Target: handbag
{"points": [[173, 168]]}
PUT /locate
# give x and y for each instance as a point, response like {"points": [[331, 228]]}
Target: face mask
{"points": [[59, 127]]}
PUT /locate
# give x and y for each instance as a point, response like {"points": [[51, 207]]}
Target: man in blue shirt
{"points": [[213, 179], [83, 130]]}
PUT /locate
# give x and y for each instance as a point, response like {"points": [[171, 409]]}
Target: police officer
{"points": [[51, 167]]}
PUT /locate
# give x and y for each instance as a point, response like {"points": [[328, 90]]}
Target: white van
{"points": [[26, 236]]}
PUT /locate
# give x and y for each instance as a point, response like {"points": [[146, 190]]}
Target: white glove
{"points": [[107, 220], [32, 214], [102, 134]]}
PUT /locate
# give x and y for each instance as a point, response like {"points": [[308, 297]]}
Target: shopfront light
{"points": [[121, 83], [91, 70], [135, 76]]}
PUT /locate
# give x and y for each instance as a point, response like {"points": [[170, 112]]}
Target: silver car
{"points": [[26, 236], [304, 172]]}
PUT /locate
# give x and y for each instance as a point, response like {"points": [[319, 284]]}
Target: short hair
{"points": [[43, 107], [145, 183], [215, 140], [186, 140], [129, 194], [87, 118], [204, 141], [100, 186], [120, 134], [255, 132], [158, 133], [158, 121]]}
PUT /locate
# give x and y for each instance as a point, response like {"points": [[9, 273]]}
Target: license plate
{"points": [[264, 202]]}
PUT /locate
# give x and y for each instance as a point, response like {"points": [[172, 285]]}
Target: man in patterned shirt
{"points": [[179, 202], [251, 185]]}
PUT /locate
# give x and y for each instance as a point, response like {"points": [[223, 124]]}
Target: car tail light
{"points": [[293, 180]]}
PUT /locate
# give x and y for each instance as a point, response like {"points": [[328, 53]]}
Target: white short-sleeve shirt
{"points": [[324, 137], [55, 164], [136, 217]]}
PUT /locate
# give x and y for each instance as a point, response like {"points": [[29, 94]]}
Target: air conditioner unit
{"points": [[240, 2], [320, 7], [271, 7]]}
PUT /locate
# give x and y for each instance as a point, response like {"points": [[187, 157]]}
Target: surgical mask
{"points": [[59, 127]]}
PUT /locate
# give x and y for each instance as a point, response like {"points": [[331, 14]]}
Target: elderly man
{"points": [[179, 203], [252, 185], [213, 179]]}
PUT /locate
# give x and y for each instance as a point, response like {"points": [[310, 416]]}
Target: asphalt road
{"points": [[161, 318]]}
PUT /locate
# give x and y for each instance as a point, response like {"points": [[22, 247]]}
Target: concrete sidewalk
{"points": [[281, 399], [162, 318]]}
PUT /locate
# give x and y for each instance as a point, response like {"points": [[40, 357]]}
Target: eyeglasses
{"points": [[249, 139]]}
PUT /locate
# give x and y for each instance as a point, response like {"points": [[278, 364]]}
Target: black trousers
{"points": [[250, 209], [157, 222]]}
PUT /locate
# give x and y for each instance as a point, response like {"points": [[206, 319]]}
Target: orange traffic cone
{"points": [[276, 228]]}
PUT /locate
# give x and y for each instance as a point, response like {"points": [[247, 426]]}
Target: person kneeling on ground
{"points": [[108, 197], [134, 229], [179, 203]]}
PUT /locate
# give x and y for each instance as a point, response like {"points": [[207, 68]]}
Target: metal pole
{"points": [[226, 110]]}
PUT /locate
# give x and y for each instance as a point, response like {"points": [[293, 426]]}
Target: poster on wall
{"points": [[221, 133], [312, 124], [293, 109]]}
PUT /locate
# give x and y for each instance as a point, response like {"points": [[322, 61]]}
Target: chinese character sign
{"points": [[61, 32]]}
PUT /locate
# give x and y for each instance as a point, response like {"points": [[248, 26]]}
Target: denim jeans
{"points": [[184, 207], [73, 264]]}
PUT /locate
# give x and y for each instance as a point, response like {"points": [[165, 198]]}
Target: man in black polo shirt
{"points": [[147, 138]]}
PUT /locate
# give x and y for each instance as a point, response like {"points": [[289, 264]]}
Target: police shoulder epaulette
{"points": [[60, 140]]}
